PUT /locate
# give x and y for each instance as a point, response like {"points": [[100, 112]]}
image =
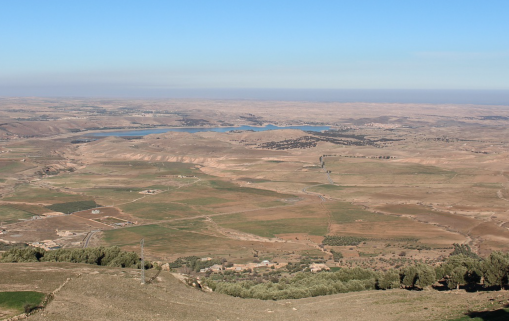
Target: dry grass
{"points": [[116, 294]]}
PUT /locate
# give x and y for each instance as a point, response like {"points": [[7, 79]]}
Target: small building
{"points": [[216, 268], [265, 263], [315, 267], [65, 233]]}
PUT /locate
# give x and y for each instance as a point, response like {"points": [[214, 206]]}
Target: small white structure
{"points": [[265, 263]]}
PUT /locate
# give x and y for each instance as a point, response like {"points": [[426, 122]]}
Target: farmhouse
{"points": [[46, 245], [216, 268], [316, 267]]}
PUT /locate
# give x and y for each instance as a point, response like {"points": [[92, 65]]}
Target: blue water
{"points": [[211, 129]]}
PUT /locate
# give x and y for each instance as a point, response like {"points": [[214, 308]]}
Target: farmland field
{"points": [[404, 183]]}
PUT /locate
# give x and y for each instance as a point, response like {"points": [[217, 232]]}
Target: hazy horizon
{"points": [[291, 50], [474, 97]]}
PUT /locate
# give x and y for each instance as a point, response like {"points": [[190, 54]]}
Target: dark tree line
{"points": [[105, 256]]}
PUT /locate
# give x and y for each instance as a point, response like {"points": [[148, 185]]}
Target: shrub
{"points": [[342, 240]]}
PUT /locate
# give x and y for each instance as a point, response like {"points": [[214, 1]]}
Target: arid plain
{"points": [[409, 179]]}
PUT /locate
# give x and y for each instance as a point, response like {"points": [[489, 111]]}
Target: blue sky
{"points": [[135, 47]]}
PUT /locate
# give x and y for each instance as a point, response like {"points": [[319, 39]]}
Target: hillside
{"points": [[96, 293]]}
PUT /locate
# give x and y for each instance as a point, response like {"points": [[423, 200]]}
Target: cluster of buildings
{"points": [[242, 267], [46, 245], [122, 224], [65, 233], [314, 267]]}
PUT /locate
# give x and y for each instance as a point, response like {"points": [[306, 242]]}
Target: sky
{"points": [[169, 48]]}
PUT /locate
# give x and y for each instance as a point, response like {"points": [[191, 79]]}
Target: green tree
{"points": [[460, 270], [419, 276], [495, 269], [389, 280]]}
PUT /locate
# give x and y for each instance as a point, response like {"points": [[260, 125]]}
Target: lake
{"points": [[144, 132]]}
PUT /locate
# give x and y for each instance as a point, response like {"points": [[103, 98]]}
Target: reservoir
{"points": [[144, 132]]}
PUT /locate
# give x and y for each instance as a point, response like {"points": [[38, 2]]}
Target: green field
{"points": [[10, 166], [407, 209], [224, 187], [162, 239], [241, 222], [343, 212], [325, 188], [114, 194], [32, 209], [161, 168], [11, 215], [159, 211], [205, 201], [26, 193], [18, 300], [71, 207]]}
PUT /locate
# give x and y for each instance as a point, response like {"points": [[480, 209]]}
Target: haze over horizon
{"points": [[390, 51]]}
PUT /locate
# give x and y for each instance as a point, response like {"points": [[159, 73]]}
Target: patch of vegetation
{"points": [[230, 187], [71, 207], [271, 204], [21, 301], [129, 189], [333, 240], [458, 271], [365, 254], [305, 284], [26, 193], [12, 215], [407, 209], [32, 209], [347, 213], [187, 225], [327, 187], [204, 201], [8, 246], [10, 167], [194, 263], [253, 180], [158, 211], [106, 256], [336, 256], [311, 226], [164, 239], [419, 247], [464, 249]]}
